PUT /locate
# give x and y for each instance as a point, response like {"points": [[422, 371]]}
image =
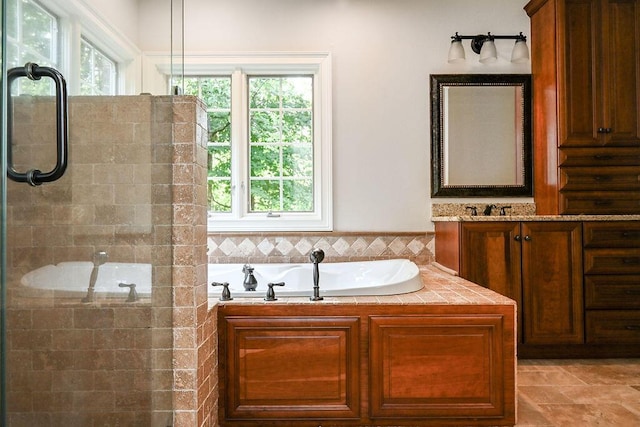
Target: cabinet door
{"points": [[442, 367], [491, 256], [601, 83], [620, 35], [552, 283], [580, 107], [277, 368]]}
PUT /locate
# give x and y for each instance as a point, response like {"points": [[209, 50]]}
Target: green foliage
{"points": [[280, 141]]}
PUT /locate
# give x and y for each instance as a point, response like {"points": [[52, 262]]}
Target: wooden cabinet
{"points": [[538, 264], [282, 366], [586, 88], [436, 367], [612, 282], [577, 284], [552, 301], [362, 364]]}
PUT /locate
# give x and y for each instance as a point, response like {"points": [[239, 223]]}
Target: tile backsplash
{"points": [[338, 247]]}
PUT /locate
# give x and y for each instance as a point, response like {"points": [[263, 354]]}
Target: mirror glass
{"points": [[481, 135]]}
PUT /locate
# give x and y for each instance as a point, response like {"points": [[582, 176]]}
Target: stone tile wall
{"points": [[111, 362]]}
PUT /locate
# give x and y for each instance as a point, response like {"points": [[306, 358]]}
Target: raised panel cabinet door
{"points": [[440, 367], [490, 257], [580, 85], [552, 283], [601, 80], [278, 368], [620, 36]]}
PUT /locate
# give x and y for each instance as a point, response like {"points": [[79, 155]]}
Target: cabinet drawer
{"points": [[600, 178], [599, 203], [613, 327], [612, 261], [611, 235], [612, 291], [621, 156]]}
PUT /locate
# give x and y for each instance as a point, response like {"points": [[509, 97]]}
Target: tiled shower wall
{"points": [[338, 247]]}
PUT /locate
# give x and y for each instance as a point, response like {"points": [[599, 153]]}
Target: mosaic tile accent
{"points": [[338, 247]]}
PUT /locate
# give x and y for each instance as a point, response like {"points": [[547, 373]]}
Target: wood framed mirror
{"points": [[481, 135]]}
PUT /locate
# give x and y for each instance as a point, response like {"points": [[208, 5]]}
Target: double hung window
{"points": [[269, 143]]}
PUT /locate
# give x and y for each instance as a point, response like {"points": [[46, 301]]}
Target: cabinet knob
{"points": [[605, 130], [517, 238], [527, 238]]}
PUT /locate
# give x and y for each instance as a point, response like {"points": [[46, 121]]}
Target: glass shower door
{"points": [[86, 255]]}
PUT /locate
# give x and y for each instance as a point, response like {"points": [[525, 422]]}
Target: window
{"points": [[269, 142], [32, 36], [97, 71], [67, 36]]}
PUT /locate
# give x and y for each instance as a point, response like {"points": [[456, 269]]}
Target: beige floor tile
{"points": [[580, 393]]}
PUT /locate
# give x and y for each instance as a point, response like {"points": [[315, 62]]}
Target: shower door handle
{"points": [[34, 176]]}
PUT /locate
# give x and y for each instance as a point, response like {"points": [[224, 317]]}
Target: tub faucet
{"points": [[316, 257], [99, 258], [250, 283]]}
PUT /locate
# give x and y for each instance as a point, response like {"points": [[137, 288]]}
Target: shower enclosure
{"points": [[112, 192]]}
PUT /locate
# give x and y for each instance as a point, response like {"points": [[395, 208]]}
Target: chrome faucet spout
{"points": [[316, 257]]}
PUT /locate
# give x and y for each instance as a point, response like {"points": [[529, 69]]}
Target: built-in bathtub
{"points": [[71, 279], [381, 277], [384, 277]]}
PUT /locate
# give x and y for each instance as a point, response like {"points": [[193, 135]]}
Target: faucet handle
{"points": [[271, 295], [503, 209], [133, 295], [226, 294], [473, 209]]}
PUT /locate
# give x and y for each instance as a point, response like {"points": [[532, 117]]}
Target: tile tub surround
{"points": [[440, 288], [225, 248]]}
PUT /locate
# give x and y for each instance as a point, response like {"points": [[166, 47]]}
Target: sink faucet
{"points": [[316, 257], [99, 258], [250, 283], [488, 208]]}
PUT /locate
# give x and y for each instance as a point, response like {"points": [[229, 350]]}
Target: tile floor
{"points": [[580, 393]]}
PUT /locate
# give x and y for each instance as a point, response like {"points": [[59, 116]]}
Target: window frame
{"points": [[317, 65]]}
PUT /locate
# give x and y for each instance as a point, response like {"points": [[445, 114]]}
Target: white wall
{"points": [[383, 52]]}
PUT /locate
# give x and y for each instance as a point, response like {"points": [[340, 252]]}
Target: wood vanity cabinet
{"points": [[538, 264], [612, 282], [586, 90]]}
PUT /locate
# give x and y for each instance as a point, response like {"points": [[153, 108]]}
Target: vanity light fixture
{"points": [[484, 46]]}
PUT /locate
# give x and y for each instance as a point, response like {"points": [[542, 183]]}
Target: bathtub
{"points": [[384, 277], [71, 279]]}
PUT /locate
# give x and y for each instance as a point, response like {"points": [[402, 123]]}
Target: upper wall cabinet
{"points": [[601, 84], [586, 82]]}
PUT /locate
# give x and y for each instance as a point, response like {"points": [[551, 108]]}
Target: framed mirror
{"points": [[481, 135]]}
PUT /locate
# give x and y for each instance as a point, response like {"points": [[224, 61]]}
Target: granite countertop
{"points": [[439, 288], [480, 218], [457, 212]]}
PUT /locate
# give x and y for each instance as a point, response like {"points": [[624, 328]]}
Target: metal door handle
{"points": [[34, 176]]}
